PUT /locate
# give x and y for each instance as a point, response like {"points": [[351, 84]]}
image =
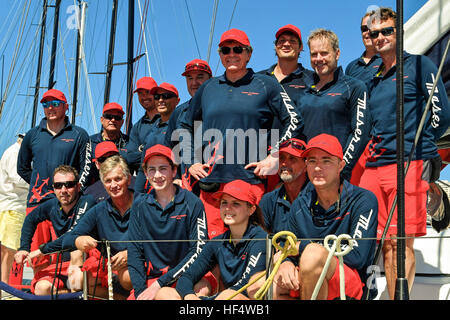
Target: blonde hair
{"points": [[325, 34], [111, 163]]}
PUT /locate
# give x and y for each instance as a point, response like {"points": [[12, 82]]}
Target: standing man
{"points": [[142, 127], [166, 100], [167, 212], [112, 121], [55, 141], [238, 109], [335, 104], [64, 212], [330, 206], [381, 168], [276, 204], [365, 67], [13, 197]]}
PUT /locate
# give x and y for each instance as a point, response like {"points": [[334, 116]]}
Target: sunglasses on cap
{"points": [[165, 95], [227, 50], [294, 144], [53, 103], [67, 184], [102, 159], [108, 116], [385, 32], [364, 28], [197, 67]]}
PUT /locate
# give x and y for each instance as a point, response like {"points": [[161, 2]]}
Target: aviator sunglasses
{"points": [[227, 50], [165, 95], [67, 184], [294, 144], [385, 32], [108, 116], [53, 103]]}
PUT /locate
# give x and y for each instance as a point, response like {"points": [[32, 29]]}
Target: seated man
{"points": [[328, 205], [168, 212], [108, 220], [64, 212]]}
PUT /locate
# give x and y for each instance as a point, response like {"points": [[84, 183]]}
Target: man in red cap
{"points": [[167, 212], [275, 205], [329, 205], [288, 71], [142, 127], [112, 121], [239, 101], [166, 99], [55, 141]]}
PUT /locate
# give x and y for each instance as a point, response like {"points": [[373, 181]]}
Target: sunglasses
{"points": [[227, 50], [385, 32], [53, 103], [67, 184], [197, 67], [165, 95], [103, 158], [108, 116], [294, 144], [364, 28]]}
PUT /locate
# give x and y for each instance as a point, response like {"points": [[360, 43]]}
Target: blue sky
{"points": [[176, 32]]}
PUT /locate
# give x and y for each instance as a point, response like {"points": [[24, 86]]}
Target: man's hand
{"points": [[85, 243], [21, 256], [287, 276], [266, 167], [199, 171], [150, 292], [119, 260]]}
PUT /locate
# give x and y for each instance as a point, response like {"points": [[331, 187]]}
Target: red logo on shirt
{"points": [[296, 86], [178, 217], [333, 94], [68, 140], [250, 93]]}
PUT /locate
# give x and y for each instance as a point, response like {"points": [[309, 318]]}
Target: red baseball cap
{"points": [[159, 150], [53, 94], [165, 86], [293, 146], [291, 28], [197, 65], [113, 106], [146, 83], [236, 35], [104, 147], [325, 142], [240, 190]]}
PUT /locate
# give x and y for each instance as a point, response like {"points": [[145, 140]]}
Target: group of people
{"points": [[250, 154]]}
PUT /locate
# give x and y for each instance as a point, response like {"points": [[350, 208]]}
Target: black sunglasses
{"points": [[385, 32], [293, 143], [165, 95], [67, 184], [227, 50], [364, 28], [108, 116]]}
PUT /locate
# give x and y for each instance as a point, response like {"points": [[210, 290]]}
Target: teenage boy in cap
{"points": [[55, 141], [168, 212], [381, 169], [166, 100], [64, 212], [276, 204], [112, 121], [240, 101], [141, 128], [335, 103], [328, 205]]}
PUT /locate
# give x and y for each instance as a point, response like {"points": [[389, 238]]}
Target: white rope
{"points": [[108, 255], [335, 250]]}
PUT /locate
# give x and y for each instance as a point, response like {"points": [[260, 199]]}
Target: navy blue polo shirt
{"points": [[136, 144], [237, 263], [182, 219], [62, 223], [419, 74], [356, 214], [41, 152], [237, 118], [121, 144], [102, 222], [275, 207], [175, 123], [361, 70], [340, 108]]}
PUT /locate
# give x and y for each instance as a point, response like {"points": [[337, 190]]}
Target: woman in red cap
{"points": [[241, 255]]}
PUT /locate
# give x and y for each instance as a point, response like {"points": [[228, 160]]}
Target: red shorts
{"points": [[353, 284], [49, 274], [359, 167], [210, 201], [382, 181]]}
